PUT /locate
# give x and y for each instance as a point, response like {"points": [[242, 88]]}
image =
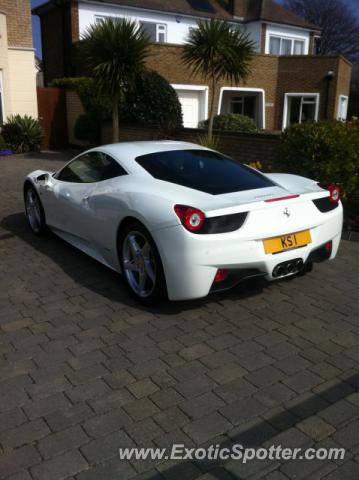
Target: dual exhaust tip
{"points": [[288, 268]]}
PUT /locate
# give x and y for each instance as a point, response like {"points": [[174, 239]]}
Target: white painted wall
{"points": [[289, 32], [177, 25]]}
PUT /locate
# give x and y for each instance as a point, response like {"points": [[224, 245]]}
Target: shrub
{"points": [[92, 100], [327, 152], [152, 102], [232, 122], [2, 143], [88, 128], [22, 134], [214, 142]]}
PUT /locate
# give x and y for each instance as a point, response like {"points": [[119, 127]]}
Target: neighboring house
{"points": [[17, 62], [288, 82]]}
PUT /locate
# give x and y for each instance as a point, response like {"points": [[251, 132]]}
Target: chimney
{"points": [[238, 8]]}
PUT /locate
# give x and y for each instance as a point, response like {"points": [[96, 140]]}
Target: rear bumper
{"points": [[191, 261]]}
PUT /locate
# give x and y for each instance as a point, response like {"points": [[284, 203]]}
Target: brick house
{"points": [[17, 60], [288, 82]]}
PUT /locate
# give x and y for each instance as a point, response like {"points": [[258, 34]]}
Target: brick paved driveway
{"points": [[84, 370]]}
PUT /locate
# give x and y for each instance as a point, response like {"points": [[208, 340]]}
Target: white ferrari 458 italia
{"points": [[181, 220]]}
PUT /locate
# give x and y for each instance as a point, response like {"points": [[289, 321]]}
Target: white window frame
{"points": [[346, 98], [161, 28], [203, 89], [262, 99], [292, 40], [287, 96]]}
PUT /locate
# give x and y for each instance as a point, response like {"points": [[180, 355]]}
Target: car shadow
{"points": [[94, 276]]}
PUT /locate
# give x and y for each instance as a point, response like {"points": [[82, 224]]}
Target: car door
{"points": [[75, 187]]}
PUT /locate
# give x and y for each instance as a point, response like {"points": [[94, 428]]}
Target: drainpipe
{"points": [[328, 78]]}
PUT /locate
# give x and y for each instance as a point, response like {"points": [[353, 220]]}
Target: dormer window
{"points": [[285, 46]]}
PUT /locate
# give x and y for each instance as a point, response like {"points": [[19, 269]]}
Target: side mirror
{"points": [[43, 178]]}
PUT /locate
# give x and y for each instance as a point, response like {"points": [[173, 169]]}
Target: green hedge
{"points": [[324, 151], [232, 122]]}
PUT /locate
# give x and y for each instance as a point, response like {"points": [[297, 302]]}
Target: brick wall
{"points": [[276, 75], [246, 148], [18, 17]]}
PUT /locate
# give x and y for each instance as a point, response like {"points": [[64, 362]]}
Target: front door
{"points": [[190, 108]]}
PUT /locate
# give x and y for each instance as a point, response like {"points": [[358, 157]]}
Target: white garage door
{"points": [[190, 107]]}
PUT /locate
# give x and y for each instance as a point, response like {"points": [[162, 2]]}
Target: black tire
{"points": [[38, 224], [157, 290]]}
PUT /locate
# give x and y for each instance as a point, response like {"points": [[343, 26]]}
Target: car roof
{"points": [[127, 152]]}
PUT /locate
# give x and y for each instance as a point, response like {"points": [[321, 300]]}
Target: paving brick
{"points": [[106, 447], [113, 469], [242, 410], [12, 419], [265, 376], [142, 388], [207, 428], [144, 432], [111, 401], [227, 373], [195, 351], [24, 434], [86, 391], [339, 413], [302, 381], [62, 419], [195, 386], [106, 423], [235, 390], [140, 409], [44, 406], [166, 398], [18, 459], [60, 467], [63, 441], [171, 419], [201, 405], [316, 428]]}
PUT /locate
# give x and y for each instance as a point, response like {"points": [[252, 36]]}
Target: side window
{"points": [[91, 167]]}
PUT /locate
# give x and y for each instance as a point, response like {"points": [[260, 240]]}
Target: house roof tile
{"points": [[256, 10]]}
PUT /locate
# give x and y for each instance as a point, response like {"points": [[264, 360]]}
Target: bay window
{"points": [[285, 46]]}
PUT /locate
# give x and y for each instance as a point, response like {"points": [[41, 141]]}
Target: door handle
{"points": [[86, 199]]}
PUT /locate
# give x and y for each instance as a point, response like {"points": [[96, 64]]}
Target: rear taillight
{"points": [[221, 275], [191, 218], [334, 193]]}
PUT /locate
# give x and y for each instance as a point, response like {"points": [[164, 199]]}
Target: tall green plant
{"points": [[115, 51], [218, 52], [22, 134]]}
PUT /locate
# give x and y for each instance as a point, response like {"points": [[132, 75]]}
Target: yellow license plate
{"points": [[287, 242]]}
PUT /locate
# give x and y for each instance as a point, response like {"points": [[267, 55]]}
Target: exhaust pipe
{"points": [[288, 268], [291, 268]]}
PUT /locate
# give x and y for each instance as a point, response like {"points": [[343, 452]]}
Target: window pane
{"points": [[90, 168], [286, 47], [274, 46], [298, 47], [237, 105], [249, 106], [161, 33], [294, 110], [343, 108], [201, 170], [308, 112], [150, 29]]}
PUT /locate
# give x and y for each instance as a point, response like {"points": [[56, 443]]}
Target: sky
{"points": [[36, 23]]}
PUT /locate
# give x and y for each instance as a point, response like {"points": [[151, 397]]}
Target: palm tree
{"points": [[115, 50], [217, 51]]}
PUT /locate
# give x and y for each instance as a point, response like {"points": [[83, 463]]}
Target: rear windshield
{"points": [[202, 170]]}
